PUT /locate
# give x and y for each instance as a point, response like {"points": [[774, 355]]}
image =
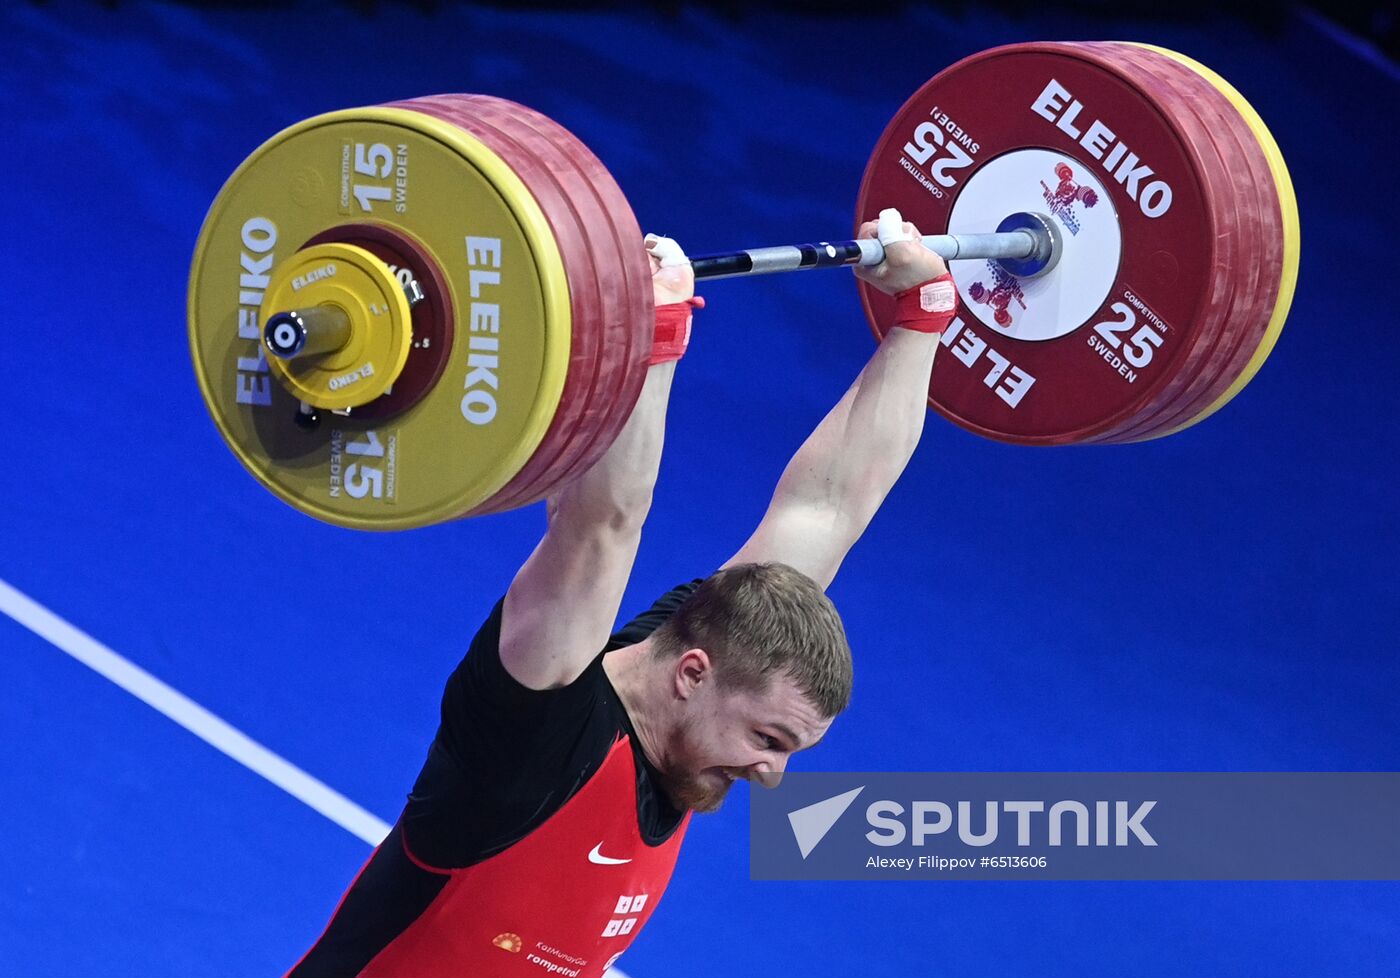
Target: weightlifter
{"points": [[547, 818]]}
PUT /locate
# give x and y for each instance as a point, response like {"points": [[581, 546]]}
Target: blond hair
{"points": [[758, 621]]}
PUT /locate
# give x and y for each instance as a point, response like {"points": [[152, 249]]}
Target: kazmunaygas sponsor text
{"points": [[1095, 825]]}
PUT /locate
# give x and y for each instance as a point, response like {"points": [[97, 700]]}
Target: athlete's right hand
{"points": [[907, 262]]}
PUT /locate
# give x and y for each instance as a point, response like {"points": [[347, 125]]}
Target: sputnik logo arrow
{"points": [[811, 824]]}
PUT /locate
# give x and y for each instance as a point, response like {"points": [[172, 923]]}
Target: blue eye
{"points": [[768, 742]]}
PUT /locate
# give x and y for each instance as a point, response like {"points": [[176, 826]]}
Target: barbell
{"points": [[438, 308]]}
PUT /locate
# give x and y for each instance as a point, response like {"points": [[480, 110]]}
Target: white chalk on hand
{"points": [[666, 250], [890, 227]]}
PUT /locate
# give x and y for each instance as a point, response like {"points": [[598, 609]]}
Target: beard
{"points": [[698, 791], [689, 782]]}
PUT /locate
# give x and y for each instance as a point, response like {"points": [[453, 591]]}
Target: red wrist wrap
{"points": [[673, 330], [927, 308]]}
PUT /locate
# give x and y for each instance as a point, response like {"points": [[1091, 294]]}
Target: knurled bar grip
{"points": [[1021, 243]]}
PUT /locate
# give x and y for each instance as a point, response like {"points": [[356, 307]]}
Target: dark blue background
{"points": [[1225, 599]]}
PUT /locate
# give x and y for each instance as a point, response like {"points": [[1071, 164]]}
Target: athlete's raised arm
{"points": [[833, 486], [562, 604]]}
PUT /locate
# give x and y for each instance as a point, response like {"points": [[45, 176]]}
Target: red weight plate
{"points": [[1204, 112], [1279, 206], [625, 320], [580, 382], [632, 327], [551, 460], [433, 327], [1260, 267], [1252, 322], [608, 410], [1213, 345], [617, 256], [1077, 353], [585, 303]]}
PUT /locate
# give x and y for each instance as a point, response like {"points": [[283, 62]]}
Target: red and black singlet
{"points": [[535, 841]]}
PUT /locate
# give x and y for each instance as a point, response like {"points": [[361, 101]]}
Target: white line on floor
{"points": [[190, 715]]}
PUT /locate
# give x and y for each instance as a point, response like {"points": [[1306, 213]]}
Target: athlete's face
{"points": [[724, 735]]}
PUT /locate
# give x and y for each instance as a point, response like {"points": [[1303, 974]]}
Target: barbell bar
{"points": [[1031, 247], [1030, 244]]}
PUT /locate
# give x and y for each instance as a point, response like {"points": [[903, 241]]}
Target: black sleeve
{"points": [[389, 894], [506, 756], [485, 707], [502, 756], [487, 710], [653, 618]]}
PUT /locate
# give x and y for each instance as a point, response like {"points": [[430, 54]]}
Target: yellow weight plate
{"points": [[1288, 204], [492, 406], [353, 281]]}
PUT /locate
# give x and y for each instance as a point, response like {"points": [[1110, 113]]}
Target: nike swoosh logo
{"points": [[597, 857]]}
